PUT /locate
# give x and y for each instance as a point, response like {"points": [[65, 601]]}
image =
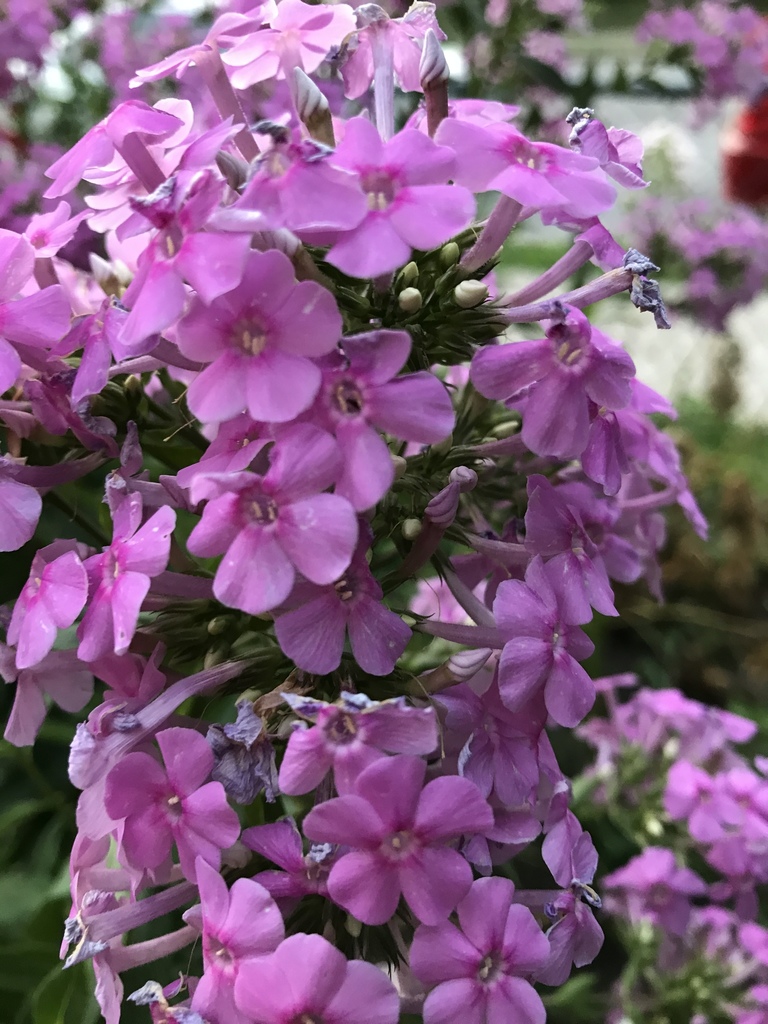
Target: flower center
{"points": [[250, 337], [343, 588], [174, 806], [379, 190], [490, 968], [341, 729], [262, 510], [347, 398], [398, 846], [307, 1018]]}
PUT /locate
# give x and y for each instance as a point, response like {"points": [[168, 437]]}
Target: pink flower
{"points": [[559, 376], [539, 175], [350, 735], [480, 970], [544, 647], [312, 634], [410, 205], [378, 32], [656, 889], [260, 340], [49, 232], [360, 392], [59, 675], [300, 35], [272, 525], [119, 578], [398, 834], [20, 508], [51, 599], [238, 924], [302, 873], [159, 807], [306, 979]]}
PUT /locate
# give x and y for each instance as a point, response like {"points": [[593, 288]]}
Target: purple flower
{"points": [[49, 232], [497, 157], [119, 578], [410, 205], [544, 646], [377, 33], [480, 969], [312, 635], [656, 889], [260, 340], [575, 938], [499, 754], [59, 675], [359, 394], [306, 979], [238, 924], [300, 35], [554, 529], [398, 834], [212, 263], [619, 152], [272, 525], [159, 807], [20, 508], [560, 375], [302, 873], [51, 599], [350, 735]]}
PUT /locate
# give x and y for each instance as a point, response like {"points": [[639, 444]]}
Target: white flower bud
{"points": [[409, 300], [470, 293]]}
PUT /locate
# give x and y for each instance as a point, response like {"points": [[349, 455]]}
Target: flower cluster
{"points": [[287, 375], [699, 809]]}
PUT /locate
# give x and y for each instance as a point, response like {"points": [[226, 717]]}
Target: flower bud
{"points": [[470, 293], [409, 300], [400, 465], [411, 529], [409, 274], [507, 429], [449, 254], [313, 110]]}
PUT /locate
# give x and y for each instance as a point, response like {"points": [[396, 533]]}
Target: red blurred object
{"points": [[745, 155]]}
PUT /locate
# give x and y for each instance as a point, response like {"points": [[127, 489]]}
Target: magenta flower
{"points": [[560, 375], [306, 979], [301, 873], [348, 736], [59, 675], [260, 340], [619, 152], [36, 320], [544, 646], [51, 599], [180, 251], [238, 923], [119, 578], [480, 970], [654, 888], [161, 806], [499, 158], [398, 834], [49, 232], [575, 938], [295, 185], [20, 508], [498, 747], [359, 394], [555, 530], [300, 35], [312, 635], [410, 205], [272, 525]]}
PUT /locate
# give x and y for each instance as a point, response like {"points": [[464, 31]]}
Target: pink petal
{"points": [[305, 460], [10, 365], [456, 1002], [305, 763], [147, 551], [372, 249], [484, 911], [366, 886], [365, 985], [434, 882], [146, 838], [27, 713], [425, 216], [218, 528], [263, 988], [393, 786], [524, 665], [214, 897], [254, 925], [66, 588], [279, 386], [279, 842], [377, 355], [159, 304], [416, 407], [349, 820], [569, 693], [312, 635], [188, 759], [20, 508], [441, 952], [525, 947], [34, 635], [255, 575], [39, 319], [128, 594], [311, 325], [515, 999], [368, 468], [378, 637], [319, 535], [213, 264], [450, 807], [219, 392], [17, 262], [134, 782]]}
